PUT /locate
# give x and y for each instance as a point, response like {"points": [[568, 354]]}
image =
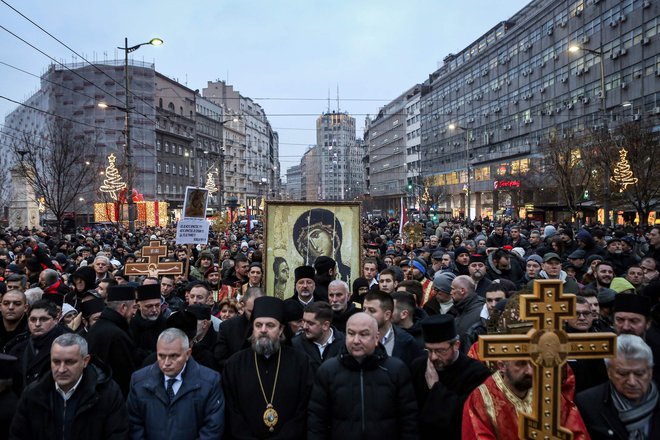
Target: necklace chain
{"points": [[277, 372]]}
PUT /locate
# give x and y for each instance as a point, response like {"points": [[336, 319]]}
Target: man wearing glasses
{"points": [[443, 379]]}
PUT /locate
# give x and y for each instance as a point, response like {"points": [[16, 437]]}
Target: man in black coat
{"points": [[628, 405], [8, 398], [109, 339], [396, 341], [234, 332], [267, 386], [443, 379], [338, 298], [13, 309], [362, 393], [77, 400], [148, 322], [33, 348], [319, 340]]}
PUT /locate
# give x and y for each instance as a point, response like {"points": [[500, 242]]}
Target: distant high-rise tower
{"points": [[339, 157]]}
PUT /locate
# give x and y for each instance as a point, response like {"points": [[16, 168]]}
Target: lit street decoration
{"points": [[210, 183], [623, 176], [113, 182]]}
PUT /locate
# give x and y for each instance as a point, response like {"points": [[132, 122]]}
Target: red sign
{"points": [[506, 184]]}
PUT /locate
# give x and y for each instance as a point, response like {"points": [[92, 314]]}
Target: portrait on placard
{"points": [[297, 233], [194, 205]]}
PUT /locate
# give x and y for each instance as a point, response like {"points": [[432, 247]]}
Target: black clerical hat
{"points": [[89, 307], [269, 307], [438, 328], [201, 311], [121, 293], [632, 303], [148, 291], [304, 272]]}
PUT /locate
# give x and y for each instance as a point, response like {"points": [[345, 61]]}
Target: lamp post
{"points": [[603, 114], [127, 123], [467, 167]]}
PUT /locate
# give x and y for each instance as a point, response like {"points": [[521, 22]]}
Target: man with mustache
{"points": [[262, 399], [477, 271]]}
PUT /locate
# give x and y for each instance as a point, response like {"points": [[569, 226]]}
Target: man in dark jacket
{"points": [[326, 271], [342, 308], [386, 408], [628, 405], [109, 338], [13, 309], [502, 264], [33, 348], [466, 309], [396, 341], [443, 379], [176, 398], [319, 340], [78, 400]]}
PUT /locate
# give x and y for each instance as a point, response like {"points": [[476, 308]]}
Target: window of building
{"points": [[158, 167]]}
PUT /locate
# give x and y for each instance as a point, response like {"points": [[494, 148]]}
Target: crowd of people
{"points": [[88, 351]]}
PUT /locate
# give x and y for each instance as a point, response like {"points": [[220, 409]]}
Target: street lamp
{"points": [[467, 167], [127, 123], [603, 114]]}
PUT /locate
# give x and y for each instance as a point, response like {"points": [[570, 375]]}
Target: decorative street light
{"points": [[127, 123], [467, 167], [603, 114]]}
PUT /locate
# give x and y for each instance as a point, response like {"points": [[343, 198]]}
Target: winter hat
{"points": [[442, 281], [549, 231], [535, 257], [520, 251], [619, 285], [461, 250], [323, 264], [584, 235], [606, 297]]}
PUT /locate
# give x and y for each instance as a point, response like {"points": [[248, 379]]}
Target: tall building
{"points": [[254, 167], [294, 182], [518, 84], [339, 157]]}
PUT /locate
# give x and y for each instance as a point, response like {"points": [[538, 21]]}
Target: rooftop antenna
{"points": [[328, 99], [337, 97]]}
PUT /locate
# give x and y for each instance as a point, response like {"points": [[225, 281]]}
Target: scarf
{"points": [[636, 418]]}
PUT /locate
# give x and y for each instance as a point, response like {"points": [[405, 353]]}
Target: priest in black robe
{"points": [[443, 379], [267, 386]]}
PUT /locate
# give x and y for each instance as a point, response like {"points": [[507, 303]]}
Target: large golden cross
{"points": [[548, 347], [153, 252]]}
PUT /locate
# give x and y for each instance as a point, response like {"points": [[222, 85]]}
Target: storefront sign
{"points": [[498, 184]]}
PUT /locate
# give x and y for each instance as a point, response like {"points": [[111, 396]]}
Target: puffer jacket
{"points": [[100, 412], [369, 400]]}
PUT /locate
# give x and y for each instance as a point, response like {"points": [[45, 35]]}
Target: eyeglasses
{"points": [[440, 351], [584, 314], [41, 319]]}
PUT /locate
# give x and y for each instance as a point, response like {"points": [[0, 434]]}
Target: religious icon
{"points": [[195, 202]]}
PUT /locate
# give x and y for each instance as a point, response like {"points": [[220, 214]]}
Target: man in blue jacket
{"points": [[175, 398]]}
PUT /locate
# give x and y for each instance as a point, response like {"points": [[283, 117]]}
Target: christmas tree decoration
{"points": [[210, 183], [113, 183], [623, 175]]}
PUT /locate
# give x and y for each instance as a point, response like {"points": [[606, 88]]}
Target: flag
{"points": [[404, 217], [249, 220]]}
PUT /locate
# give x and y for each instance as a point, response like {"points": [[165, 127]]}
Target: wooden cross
{"points": [[548, 347], [153, 253]]}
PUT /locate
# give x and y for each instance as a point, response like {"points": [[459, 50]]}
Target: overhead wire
{"points": [[76, 53]]}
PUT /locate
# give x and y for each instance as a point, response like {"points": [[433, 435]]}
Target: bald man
{"points": [[362, 361]]}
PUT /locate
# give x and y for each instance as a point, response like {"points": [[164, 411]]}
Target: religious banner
{"points": [[192, 232], [547, 346], [194, 204], [296, 233], [153, 253]]}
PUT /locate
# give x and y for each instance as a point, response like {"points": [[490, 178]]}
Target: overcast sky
{"points": [[287, 55]]}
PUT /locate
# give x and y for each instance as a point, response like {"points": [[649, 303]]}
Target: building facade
{"points": [[294, 183], [487, 110]]}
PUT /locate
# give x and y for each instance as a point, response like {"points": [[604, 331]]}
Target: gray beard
{"points": [[264, 346]]}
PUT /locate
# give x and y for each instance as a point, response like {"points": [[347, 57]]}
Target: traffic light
{"points": [[410, 185]]}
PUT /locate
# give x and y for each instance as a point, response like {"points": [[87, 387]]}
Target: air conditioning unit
{"points": [[548, 112], [624, 85], [623, 51], [507, 127], [555, 56], [599, 95], [563, 23], [646, 4], [578, 12], [569, 106], [586, 69], [497, 110], [470, 119], [550, 31], [613, 23], [484, 73], [524, 73], [508, 82], [645, 41], [584, 40], [541, 89], [637, 74], [542, 64], [656, 110], [514, 102], [470, 80], [469, 101], [563, 79], [623, 17], [579, 71], [585, 100], [614, 55], [637, 117], [558, 110], [448, 112]]}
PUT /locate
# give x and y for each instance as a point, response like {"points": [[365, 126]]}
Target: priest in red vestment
{"points": [[491, 411]]}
